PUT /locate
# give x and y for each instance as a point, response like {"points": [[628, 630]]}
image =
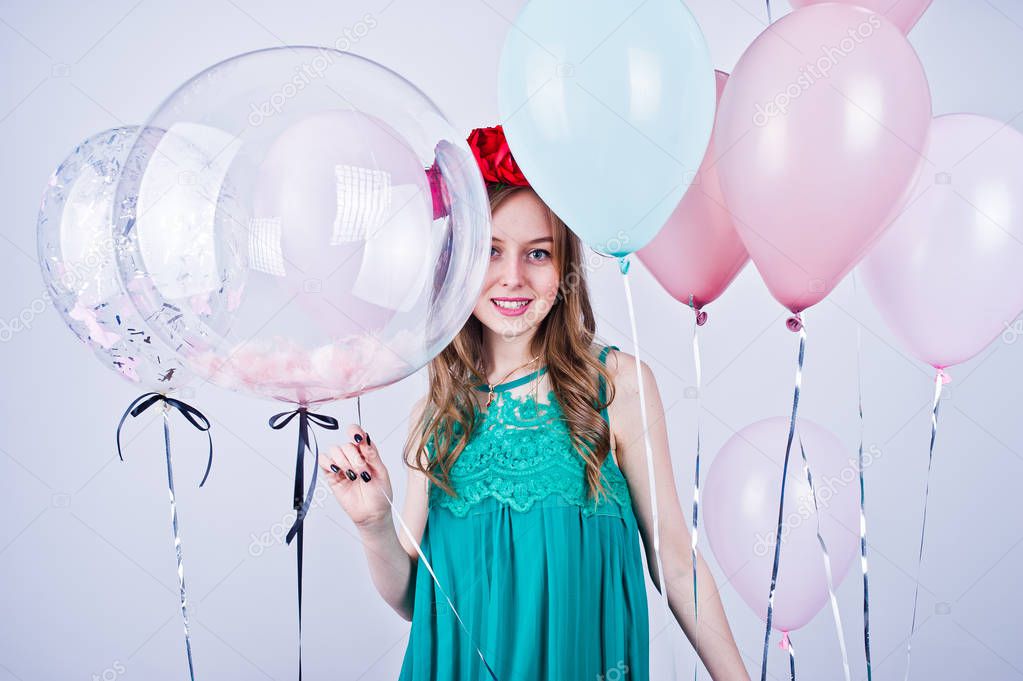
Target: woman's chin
{"points": [[508, 327]]}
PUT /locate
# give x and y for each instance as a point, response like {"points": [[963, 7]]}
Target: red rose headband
{"points": [[495, 160]]}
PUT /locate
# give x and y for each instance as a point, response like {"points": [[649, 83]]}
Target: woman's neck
{"points": [[506, 357]]}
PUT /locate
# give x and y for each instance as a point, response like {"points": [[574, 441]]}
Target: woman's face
{"points": [[522, 280]]}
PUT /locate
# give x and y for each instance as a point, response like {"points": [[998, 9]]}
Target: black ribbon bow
{"points": [[306, 419], [193, 415]]}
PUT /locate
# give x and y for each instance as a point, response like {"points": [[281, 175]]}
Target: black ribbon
{"points": [[306, 419], [197, 419], [193, 415]]}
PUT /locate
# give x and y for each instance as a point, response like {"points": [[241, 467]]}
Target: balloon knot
{"points": [[701, 316], [784, 642], [623, 264], [794, 323], [944, 376]]}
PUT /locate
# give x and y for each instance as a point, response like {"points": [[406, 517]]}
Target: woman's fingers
{"points": [[366, 448], [358, 461], [340, 464], [353, 479], [353, 430], [353, 461], [324, 462]]}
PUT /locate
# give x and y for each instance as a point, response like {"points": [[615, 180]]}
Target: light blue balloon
{"points": [[608, 107]]}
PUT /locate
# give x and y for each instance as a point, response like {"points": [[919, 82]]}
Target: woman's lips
{"points": [[514, 307]]}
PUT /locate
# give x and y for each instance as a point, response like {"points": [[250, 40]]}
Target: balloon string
{"points": [[863, 513], [436, 581], [939, 379], [696, 483], [655, 516], [177, 539], [839, 630], [796, 323], [769, 20]]}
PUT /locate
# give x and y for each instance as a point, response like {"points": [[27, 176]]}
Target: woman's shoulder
{"points": [[608, 353], [621, 367]]}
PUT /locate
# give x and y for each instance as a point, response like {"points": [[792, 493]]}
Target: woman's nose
{"points": [[511, 271]]}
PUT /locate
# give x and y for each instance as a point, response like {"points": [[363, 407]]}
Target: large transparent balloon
{"points": [[305, 226], [76, 256]]}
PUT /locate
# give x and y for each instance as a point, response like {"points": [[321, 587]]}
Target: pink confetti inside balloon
{"points": [[76, 256]]}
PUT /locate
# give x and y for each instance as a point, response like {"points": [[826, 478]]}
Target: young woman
{"points": [[532, 524]]}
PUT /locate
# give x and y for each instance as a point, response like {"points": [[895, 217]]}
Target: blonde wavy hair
{"points": [[564, 340]]}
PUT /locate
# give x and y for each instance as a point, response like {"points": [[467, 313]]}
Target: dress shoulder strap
{"points": [[603, 387]]}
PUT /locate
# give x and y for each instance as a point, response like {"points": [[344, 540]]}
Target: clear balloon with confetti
{"points": [[76, 256]]}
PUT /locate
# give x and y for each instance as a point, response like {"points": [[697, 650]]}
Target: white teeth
{"points": [[511, 305]]}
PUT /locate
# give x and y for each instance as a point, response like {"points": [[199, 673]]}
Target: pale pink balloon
{"points": [[947, 276], [902, 13], [352, 203], [821, 135], [740, 505], [698, 252]]}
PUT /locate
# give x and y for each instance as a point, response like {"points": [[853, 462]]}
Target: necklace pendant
{"points": [[490, 396]]}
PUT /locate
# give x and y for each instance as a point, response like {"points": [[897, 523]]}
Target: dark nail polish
{"points": [[365, 476], [334, 468], [351, 474], [358, 438], [368, 441]]}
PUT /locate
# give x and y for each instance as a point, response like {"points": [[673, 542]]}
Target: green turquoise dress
{"points": [[549, 583]]}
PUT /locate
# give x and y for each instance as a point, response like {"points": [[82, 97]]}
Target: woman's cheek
{"points": [[550, 294], [553, 285]]}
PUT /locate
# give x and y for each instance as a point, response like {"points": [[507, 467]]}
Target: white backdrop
{"points": [[86, 559]]}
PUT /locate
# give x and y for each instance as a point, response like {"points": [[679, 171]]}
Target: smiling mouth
{"points": [[511, 306]]}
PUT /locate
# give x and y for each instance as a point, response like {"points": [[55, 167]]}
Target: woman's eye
{"points": [[539, 254], [494, 251]]}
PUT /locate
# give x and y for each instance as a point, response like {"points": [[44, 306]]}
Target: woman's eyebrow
{"points": [[534, 241]]}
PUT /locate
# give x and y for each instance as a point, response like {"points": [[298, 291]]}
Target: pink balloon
{"points": [[902, 13], [741, 511], [329, 159], [947, 277], [823, 123], [698, 252]]}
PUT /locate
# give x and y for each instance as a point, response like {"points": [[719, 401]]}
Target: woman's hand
{"points": [[359, 479]]}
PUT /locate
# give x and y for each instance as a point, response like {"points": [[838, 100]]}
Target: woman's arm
{"points": [[714, 644], [392, 559]]}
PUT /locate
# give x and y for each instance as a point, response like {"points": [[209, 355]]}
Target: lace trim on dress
{"points": [[522, 453]]}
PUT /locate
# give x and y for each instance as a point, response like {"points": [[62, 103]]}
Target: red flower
{"points": [[494, 158]]}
